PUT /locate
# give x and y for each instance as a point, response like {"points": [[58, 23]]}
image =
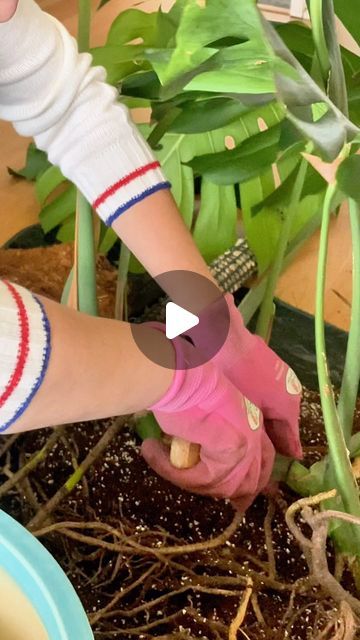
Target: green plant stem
{"points": [[86, 258], [146, 426], [85, 240], [267, 310], [84, 24], [351, 375], [339, 456], [316, 16], [122, 275]]}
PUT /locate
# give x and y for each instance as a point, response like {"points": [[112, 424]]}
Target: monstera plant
{"points": [[245, 115], [245, 107]]}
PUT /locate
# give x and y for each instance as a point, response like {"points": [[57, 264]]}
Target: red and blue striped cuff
{"points": [[130, 189], [25, 345]]}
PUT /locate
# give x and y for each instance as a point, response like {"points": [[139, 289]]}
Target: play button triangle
{"points": [[178, 320]]}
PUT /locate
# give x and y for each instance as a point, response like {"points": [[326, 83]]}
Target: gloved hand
{"points": [[204, 407], [257, 372]]}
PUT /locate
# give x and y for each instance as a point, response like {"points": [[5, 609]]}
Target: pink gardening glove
{"points": [[203, 406], [257, 372]]}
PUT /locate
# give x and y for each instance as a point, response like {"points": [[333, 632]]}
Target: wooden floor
{"points": [[18, 206]]}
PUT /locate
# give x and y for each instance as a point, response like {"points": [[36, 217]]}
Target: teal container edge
{"points": [[43, 582]]}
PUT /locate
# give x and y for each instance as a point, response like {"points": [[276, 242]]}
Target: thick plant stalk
{"points": [[351, 375], [122, 276], [85, 267], [86, 257], [84, 24], [339, 456], [316, 15], [266, 314]]}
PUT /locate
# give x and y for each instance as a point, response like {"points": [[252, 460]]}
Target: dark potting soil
{"points": [[112, 533], [185, 595]]}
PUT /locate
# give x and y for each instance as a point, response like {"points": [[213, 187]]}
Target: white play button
{"points": [[178, 320], [187, 290]]}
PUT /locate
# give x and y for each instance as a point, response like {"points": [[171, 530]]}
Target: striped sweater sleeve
{"points": [[25, 350], [51, 92]]}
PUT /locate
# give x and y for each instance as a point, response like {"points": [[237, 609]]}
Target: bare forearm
{"points": [[95, 371], [155, 232]]}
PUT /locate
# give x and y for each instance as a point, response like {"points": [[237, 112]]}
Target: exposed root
{"points": [[151, 584], [268, 538], [241, 612], [341, 626], [35, 460], [102, 613], [256, 608], [129, 544], [47, 509], [314, 548]]}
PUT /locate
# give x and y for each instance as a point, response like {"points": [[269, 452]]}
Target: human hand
{"points": [[204, 407], [257, 372]]}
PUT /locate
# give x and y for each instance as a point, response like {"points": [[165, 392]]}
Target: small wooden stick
{"points": [[184, 454]]}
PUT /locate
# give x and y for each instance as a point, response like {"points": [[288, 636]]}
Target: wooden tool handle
{"points": [[184, 454]]}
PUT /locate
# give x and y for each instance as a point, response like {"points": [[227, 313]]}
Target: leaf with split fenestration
{"points": [[263, 230], [330, 131], [258, 63], [218, 209], [244, 162], [199, 116], [246, 68], [154, 29], [200, 35]]}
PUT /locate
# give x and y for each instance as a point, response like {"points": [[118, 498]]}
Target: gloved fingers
{"points": [[285, 437], [196, 479], [227, 473], [231, 422], [213, 432], [217, 475], [248, 490]]}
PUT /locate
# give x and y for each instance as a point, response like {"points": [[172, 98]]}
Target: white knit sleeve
{"points": [[25, 344], [51, 92]]}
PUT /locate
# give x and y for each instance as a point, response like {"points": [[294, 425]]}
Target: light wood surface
{"points": [[297, 284], [18, 206]]}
